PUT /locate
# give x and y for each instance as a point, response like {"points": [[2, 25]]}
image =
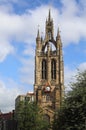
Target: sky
{"points": [[19, 21]]}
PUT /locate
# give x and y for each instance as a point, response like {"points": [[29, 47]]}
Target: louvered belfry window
{"points": [[44, 69], [53, 69]]}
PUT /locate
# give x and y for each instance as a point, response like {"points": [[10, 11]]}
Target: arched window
{"points": [[44, 69], [53, 69], [47, 97]]}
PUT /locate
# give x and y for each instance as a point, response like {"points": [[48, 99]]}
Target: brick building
{"points": [[7, 121]]}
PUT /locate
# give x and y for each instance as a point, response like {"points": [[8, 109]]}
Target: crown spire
{"points": [[49, 27]]}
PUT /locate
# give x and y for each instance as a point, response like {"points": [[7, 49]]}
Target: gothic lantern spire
{"points": [[49, 28]]}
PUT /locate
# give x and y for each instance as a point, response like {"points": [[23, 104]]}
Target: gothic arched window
{"points": [[53, 69], [44, 69]]}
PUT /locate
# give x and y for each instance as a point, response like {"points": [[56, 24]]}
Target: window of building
{"points": [[53, 69], [44, 69], [47, 97]]}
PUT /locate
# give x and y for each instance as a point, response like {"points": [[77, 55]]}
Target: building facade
{"points": [[7, 121], [49, 70], [20, 104], [29, 97]]}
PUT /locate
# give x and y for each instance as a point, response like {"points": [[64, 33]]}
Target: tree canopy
{"points": [[29, 117], [72, 114]]}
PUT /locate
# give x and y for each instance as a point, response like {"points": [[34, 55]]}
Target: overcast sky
{"points": [[19, 20]]}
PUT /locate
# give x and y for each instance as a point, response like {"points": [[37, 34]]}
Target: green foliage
{"points": [[72, 114], [30, 118]]}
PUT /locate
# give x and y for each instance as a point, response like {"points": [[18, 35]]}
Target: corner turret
{"points": [[38, 41]]}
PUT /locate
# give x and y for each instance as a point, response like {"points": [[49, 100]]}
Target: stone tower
{"points": [[49, 70]]}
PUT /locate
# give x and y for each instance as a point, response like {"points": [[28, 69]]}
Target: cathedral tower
{"points": [[49, 70]]}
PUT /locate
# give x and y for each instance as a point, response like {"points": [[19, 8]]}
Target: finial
{"points": [[42, 33], [38, 35], [41, 36], [38, 26], [58, 30], [46, 20], [49, 17], [58, 33]]}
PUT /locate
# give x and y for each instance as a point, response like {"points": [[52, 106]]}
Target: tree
{"points": [[72, 114], [29, 117]]}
